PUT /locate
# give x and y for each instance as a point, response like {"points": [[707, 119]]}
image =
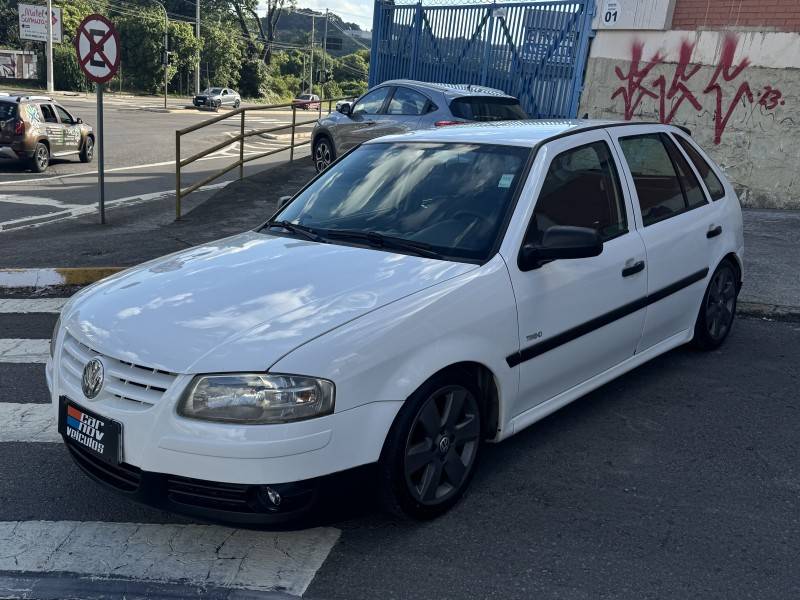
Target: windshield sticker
{"points": [[505, 181]]}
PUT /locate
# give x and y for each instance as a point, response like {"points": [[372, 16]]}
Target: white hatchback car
{"points": [[425, 293]]}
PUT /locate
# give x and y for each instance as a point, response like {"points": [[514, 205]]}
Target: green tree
{"points": [[351, 67], [221, 57], [253, 78]]}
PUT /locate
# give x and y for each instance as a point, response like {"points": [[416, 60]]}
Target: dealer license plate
{"points": [[100, 436]]}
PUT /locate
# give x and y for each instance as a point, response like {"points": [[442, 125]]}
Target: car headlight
{"points": [[257, 398], [54, 337]]}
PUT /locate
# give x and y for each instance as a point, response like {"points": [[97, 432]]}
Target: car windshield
{"points": [[213, 91], [8, 110], [487, 108], [304, 97], [452, 199]]}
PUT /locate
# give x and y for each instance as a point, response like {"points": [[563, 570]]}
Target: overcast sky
{"points": [[352, 11]]}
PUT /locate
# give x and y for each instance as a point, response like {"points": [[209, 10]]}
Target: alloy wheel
{"points": [[89, 148], [442, 445], [721, 303], [322, 155], [42, 157]]}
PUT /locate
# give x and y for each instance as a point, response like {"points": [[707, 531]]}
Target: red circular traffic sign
{"points": [[97, 45]]}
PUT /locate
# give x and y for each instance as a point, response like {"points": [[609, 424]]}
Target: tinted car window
{"points": [[487, 108], [372, 103], [406, 102], [581, 189], [692, 191], [453, 197], [657, 186], [63, 116], [48, 113], [714, 185], [7, 111]]}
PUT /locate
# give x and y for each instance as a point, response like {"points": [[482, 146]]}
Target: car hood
{"points": [[243, 302]]}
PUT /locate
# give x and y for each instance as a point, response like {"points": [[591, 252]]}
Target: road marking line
{"points": [[24, 351], [28, 423], [32, 305], [194, 554]]}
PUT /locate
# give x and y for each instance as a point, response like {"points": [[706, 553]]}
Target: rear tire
{"points": [[430, 454], [323, 153], [41, 158], [87, 152], [718, 310]]}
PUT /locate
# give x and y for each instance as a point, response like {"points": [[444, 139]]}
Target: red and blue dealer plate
{"points": [[98, 435]]}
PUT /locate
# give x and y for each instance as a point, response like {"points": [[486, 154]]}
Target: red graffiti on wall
{"points": [[672, 96]]}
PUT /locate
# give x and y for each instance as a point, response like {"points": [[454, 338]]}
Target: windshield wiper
{"points": [[307, 232], [384, 241]]}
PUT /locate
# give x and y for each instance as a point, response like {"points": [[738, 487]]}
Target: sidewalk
{"points": [[139, 233]]}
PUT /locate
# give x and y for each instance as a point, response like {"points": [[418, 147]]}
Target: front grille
{"points": [[229, 497], [124, 380], [124, 477]]}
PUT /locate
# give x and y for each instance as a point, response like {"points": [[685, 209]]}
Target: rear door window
{"points": [[487, 108], [581, 189], [407, 102], [48, 113], [713, 184], [658, 189], [691, 186]]}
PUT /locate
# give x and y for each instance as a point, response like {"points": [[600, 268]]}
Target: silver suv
{"points": [[403, 105]]}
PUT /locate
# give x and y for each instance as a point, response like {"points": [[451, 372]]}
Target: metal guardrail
{"points": [[181, 193]]}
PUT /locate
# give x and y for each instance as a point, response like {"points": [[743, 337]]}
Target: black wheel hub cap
{"points": [[442, 445], [721, 303]]}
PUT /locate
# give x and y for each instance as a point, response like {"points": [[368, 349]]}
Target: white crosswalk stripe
{"points": [[196, 554], [32, 305], [204, 556], [24, 351], [28, 423]]}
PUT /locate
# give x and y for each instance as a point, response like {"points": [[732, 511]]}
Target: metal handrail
{"points": [[181, 193]]}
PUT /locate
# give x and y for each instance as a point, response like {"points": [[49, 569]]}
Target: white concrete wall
{"points": [[739, 93]]}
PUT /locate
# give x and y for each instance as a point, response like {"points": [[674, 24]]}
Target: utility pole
{"points": [[197, 35], [311, 70], [49, 47], [325, 50]]}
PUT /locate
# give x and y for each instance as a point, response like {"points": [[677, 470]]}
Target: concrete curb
{"points": [[774, 312], [46, 278]]}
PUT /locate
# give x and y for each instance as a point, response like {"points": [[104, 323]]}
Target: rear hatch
{"points": [[8, 121], [487, 108]]}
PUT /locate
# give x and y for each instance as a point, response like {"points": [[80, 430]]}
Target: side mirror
{"points": [[79, 120], [560, 242], [345, 108], [283, 201]]}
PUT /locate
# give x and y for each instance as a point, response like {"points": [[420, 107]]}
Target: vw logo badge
{"points": [[92, 379]]}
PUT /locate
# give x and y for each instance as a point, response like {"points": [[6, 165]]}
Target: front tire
{"points": [[717, 312], [87, 152], [430, 453], [41, 158], [323, 153]]}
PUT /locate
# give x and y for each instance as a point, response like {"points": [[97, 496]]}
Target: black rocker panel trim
{"points": [[618, 313]]}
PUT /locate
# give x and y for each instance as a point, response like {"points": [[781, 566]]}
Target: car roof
{"points": [[24, 98], [508, 133], [451, 90]]}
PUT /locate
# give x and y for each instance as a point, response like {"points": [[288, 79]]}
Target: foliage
{"points": [[221, 57], [254, 78], [67, 75]]}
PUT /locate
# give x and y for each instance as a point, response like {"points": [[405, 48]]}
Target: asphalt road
{"points": [[139, 158], [678, 480]]}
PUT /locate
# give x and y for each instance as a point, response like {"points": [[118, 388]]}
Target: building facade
{"points": [[727, 69]]}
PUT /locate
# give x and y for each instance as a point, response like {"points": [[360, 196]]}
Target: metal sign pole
{"points": [[101, 180]]}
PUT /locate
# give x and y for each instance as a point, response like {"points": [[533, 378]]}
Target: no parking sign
{"points": [[97, 45]]}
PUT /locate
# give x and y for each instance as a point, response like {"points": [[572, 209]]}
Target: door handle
{"points": [[633, 269], [714, 231]]}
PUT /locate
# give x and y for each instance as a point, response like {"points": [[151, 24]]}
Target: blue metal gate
{"points": [[535, 51]]}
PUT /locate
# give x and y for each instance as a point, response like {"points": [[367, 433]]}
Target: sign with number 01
{"points": [[611, 13]]}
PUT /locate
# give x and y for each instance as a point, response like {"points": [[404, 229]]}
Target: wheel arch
{"points": [[736, 261]]}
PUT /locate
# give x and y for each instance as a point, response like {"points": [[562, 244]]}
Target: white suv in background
{"points": [[426, 293]]}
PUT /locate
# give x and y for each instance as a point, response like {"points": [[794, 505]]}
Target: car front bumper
{"points": [[160, 448]]}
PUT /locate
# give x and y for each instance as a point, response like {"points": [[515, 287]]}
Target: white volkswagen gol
{"points": [[425, 293]]}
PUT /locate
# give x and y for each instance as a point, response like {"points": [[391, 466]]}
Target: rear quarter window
{"points": [[487, 108]]}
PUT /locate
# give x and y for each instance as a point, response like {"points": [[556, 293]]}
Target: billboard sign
{"points": [[33, 23]]}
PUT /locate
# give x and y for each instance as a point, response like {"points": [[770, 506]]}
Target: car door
{"points": [[70, 128], [225, 97], [357, 127], [53, 128], [577, 317], [678, 224], [403, 112]]}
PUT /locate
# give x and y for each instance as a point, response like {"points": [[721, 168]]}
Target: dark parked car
{"points": [[403, 105]]}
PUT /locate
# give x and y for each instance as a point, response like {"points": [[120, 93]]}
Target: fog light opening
{"points": [[273, 496]]}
